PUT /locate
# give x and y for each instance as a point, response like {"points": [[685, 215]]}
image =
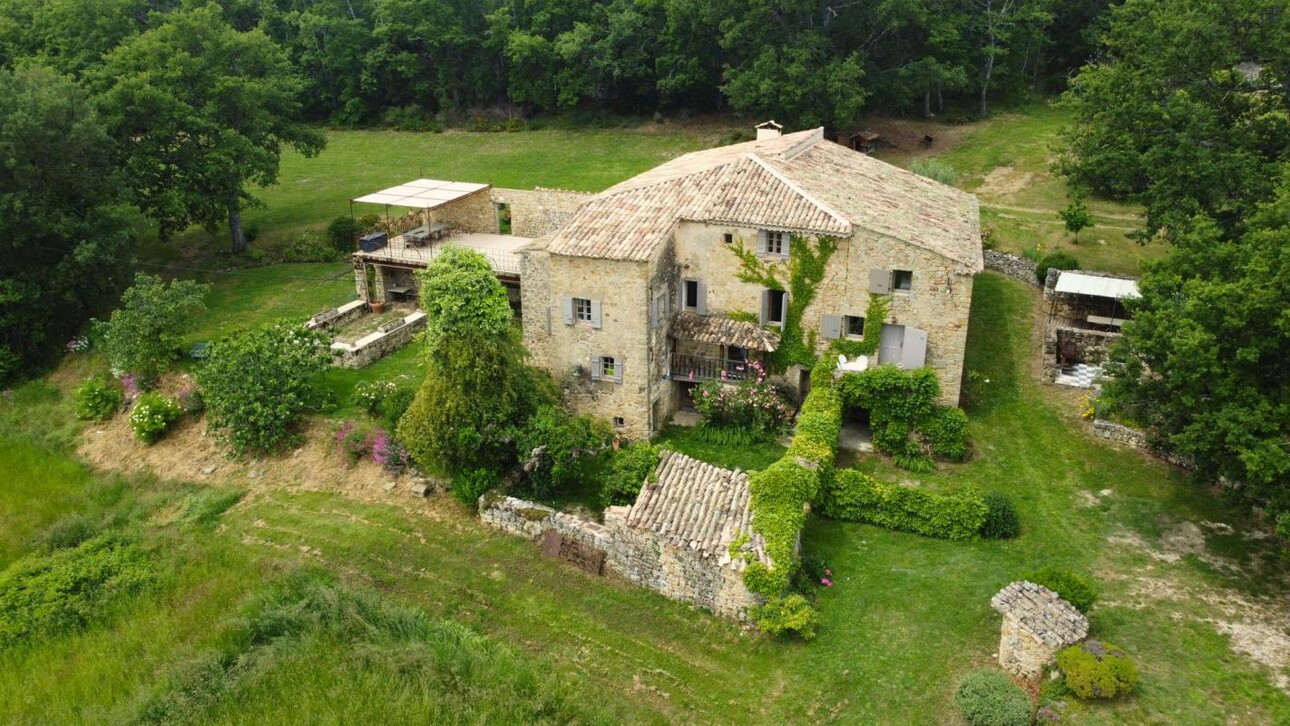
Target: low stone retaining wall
{"points": [[1091, 346], [1018, 268], [377, 345], [1127, 436], [639, 556], [335, 317]]}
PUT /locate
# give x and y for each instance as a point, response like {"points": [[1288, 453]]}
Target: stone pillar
{"points": [[1021, 653], [360, 280], [378, 293]]}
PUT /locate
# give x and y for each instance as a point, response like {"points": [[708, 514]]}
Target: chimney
{"points": [[769, 130]]}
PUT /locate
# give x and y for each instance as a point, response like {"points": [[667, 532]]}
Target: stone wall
{"points": [[347, 313], [1018, 268], [1090, 346], [1036, 624], [635, 555], [378, 345], [538, 212], [472, 213], [1137, 439], [620, 290]]}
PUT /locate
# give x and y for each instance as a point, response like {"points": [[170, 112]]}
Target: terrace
{"points": [[417, 247]]}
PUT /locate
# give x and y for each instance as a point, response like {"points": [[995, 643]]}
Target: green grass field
{"points": [[392, 587]]}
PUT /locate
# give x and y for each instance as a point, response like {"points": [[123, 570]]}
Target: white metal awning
{"points": [[1078, 283], [421, 193]]}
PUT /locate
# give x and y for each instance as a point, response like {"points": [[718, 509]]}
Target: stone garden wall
{"points": [[1013, 266], [636, 555], [1090, 346], [538, 212], [1137, 439], [335, 317], [379, 344]]}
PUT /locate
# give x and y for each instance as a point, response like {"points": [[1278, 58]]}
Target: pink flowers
{"points": [[826, 582]]}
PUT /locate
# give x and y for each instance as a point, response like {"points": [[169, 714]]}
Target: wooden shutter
{"points": [[618, 369], [783, 309], [595, 314], [914, 353], [890, 344], [831, 327], [548, 319], [761, 241], [701, 298], [567, 305], [764, 314], [880, 281], [595, 367]]}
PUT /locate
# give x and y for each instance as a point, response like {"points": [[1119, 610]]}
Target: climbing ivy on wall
{"points": [[874, 316], [804, 271]]}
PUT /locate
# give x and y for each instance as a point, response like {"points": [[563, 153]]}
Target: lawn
{"points": [[907, 617]]}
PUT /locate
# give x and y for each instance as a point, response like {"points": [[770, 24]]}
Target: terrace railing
{"points": [[699, 368]]}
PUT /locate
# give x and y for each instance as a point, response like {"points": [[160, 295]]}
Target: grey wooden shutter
{"points": [[548, 319], [595, 314], [880, 281], [701, 298], [783, 309], [890, 343], [567, 305], [914, 353], [764, 314], [618, 369], [595, 367], [831, 327], [761, 241]]}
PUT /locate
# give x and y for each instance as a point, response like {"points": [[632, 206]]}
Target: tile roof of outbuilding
{"points": [[796, 182], [721, 330]]}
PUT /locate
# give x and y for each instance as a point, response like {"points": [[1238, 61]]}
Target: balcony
{"points": [[697, 368], [415, 250]]}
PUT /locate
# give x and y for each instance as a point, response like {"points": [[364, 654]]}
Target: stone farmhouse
{"points": [[633, 296]]}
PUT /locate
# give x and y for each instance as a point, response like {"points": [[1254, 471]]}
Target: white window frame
{"points": [[581, 310], [781, 310], [777, 242]]}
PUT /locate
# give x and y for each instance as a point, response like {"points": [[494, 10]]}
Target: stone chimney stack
{"points": [[769, 130]]}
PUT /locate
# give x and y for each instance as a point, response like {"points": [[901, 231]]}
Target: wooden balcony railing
{"points": [[698, 368]]}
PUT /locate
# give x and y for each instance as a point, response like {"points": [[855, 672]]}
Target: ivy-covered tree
{"points": [[1202, 364], [143, 335], [477, 390], [65, 233], [201, 112]]}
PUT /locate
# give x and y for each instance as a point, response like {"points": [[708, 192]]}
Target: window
{"points": [[619, 422], [902, 280], [728, 238], [608, 366], [854, 326], [776, 243], [775, 302], [691, 298], [582, 309]]}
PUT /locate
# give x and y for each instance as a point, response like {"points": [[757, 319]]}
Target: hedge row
{"points": [[904, 417], [858, 497], [781, 494]]}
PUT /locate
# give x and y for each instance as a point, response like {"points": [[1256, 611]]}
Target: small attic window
{"points": [[728, 238]]}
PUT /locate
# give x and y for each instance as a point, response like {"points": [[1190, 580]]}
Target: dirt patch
{"points": [[902, 138], [189, 453], [1004, 183]]}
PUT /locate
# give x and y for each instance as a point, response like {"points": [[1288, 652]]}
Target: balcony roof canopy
{"points": [[1078, 283], [421, 194]]}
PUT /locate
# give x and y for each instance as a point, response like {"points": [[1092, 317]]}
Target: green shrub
{"points": [[791, 615], [1055, 260], [725, 435], [987, 697], [858, 497], [57, 593], [1074, 589], [190, 400], [630, 467], [1097, 670], [342, 232], [143, 336], [471, 484], [98, 399], [945, 432], [1001, 518], [556, 451], [152, 415], [384, 400], [311, 246], [259, 383]]}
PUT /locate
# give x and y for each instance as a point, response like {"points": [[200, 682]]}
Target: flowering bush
{"points": [[388, 451], [153, 413], [752, 404], [130, 384], [369, 395], [352, 442], [97, 399], [190, 400], [78, 344]]}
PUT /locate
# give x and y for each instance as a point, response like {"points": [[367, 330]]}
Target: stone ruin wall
{"points": [[472, 213], [636, 555], [1018, 268], [1090, 346], [538, 212]]}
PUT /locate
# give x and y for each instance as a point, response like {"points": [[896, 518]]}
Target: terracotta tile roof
{"points": [[721, 330], [698, 506], [797, 182]]}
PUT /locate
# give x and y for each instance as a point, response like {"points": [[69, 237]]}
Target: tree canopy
{"points": [[201, 112], [64, 231], [143, 335]]}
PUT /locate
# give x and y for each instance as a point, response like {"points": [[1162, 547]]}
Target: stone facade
{"points": [[472, 213], [1036, 624], [538, 212], [1018, 268], [640, 557], [377, 345]]}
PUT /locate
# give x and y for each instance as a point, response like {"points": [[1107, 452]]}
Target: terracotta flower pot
{"points": [[378, 306]]}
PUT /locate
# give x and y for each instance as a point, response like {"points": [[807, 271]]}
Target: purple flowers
{"points": [[384, 449], [130, 383], [78, 344]]}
